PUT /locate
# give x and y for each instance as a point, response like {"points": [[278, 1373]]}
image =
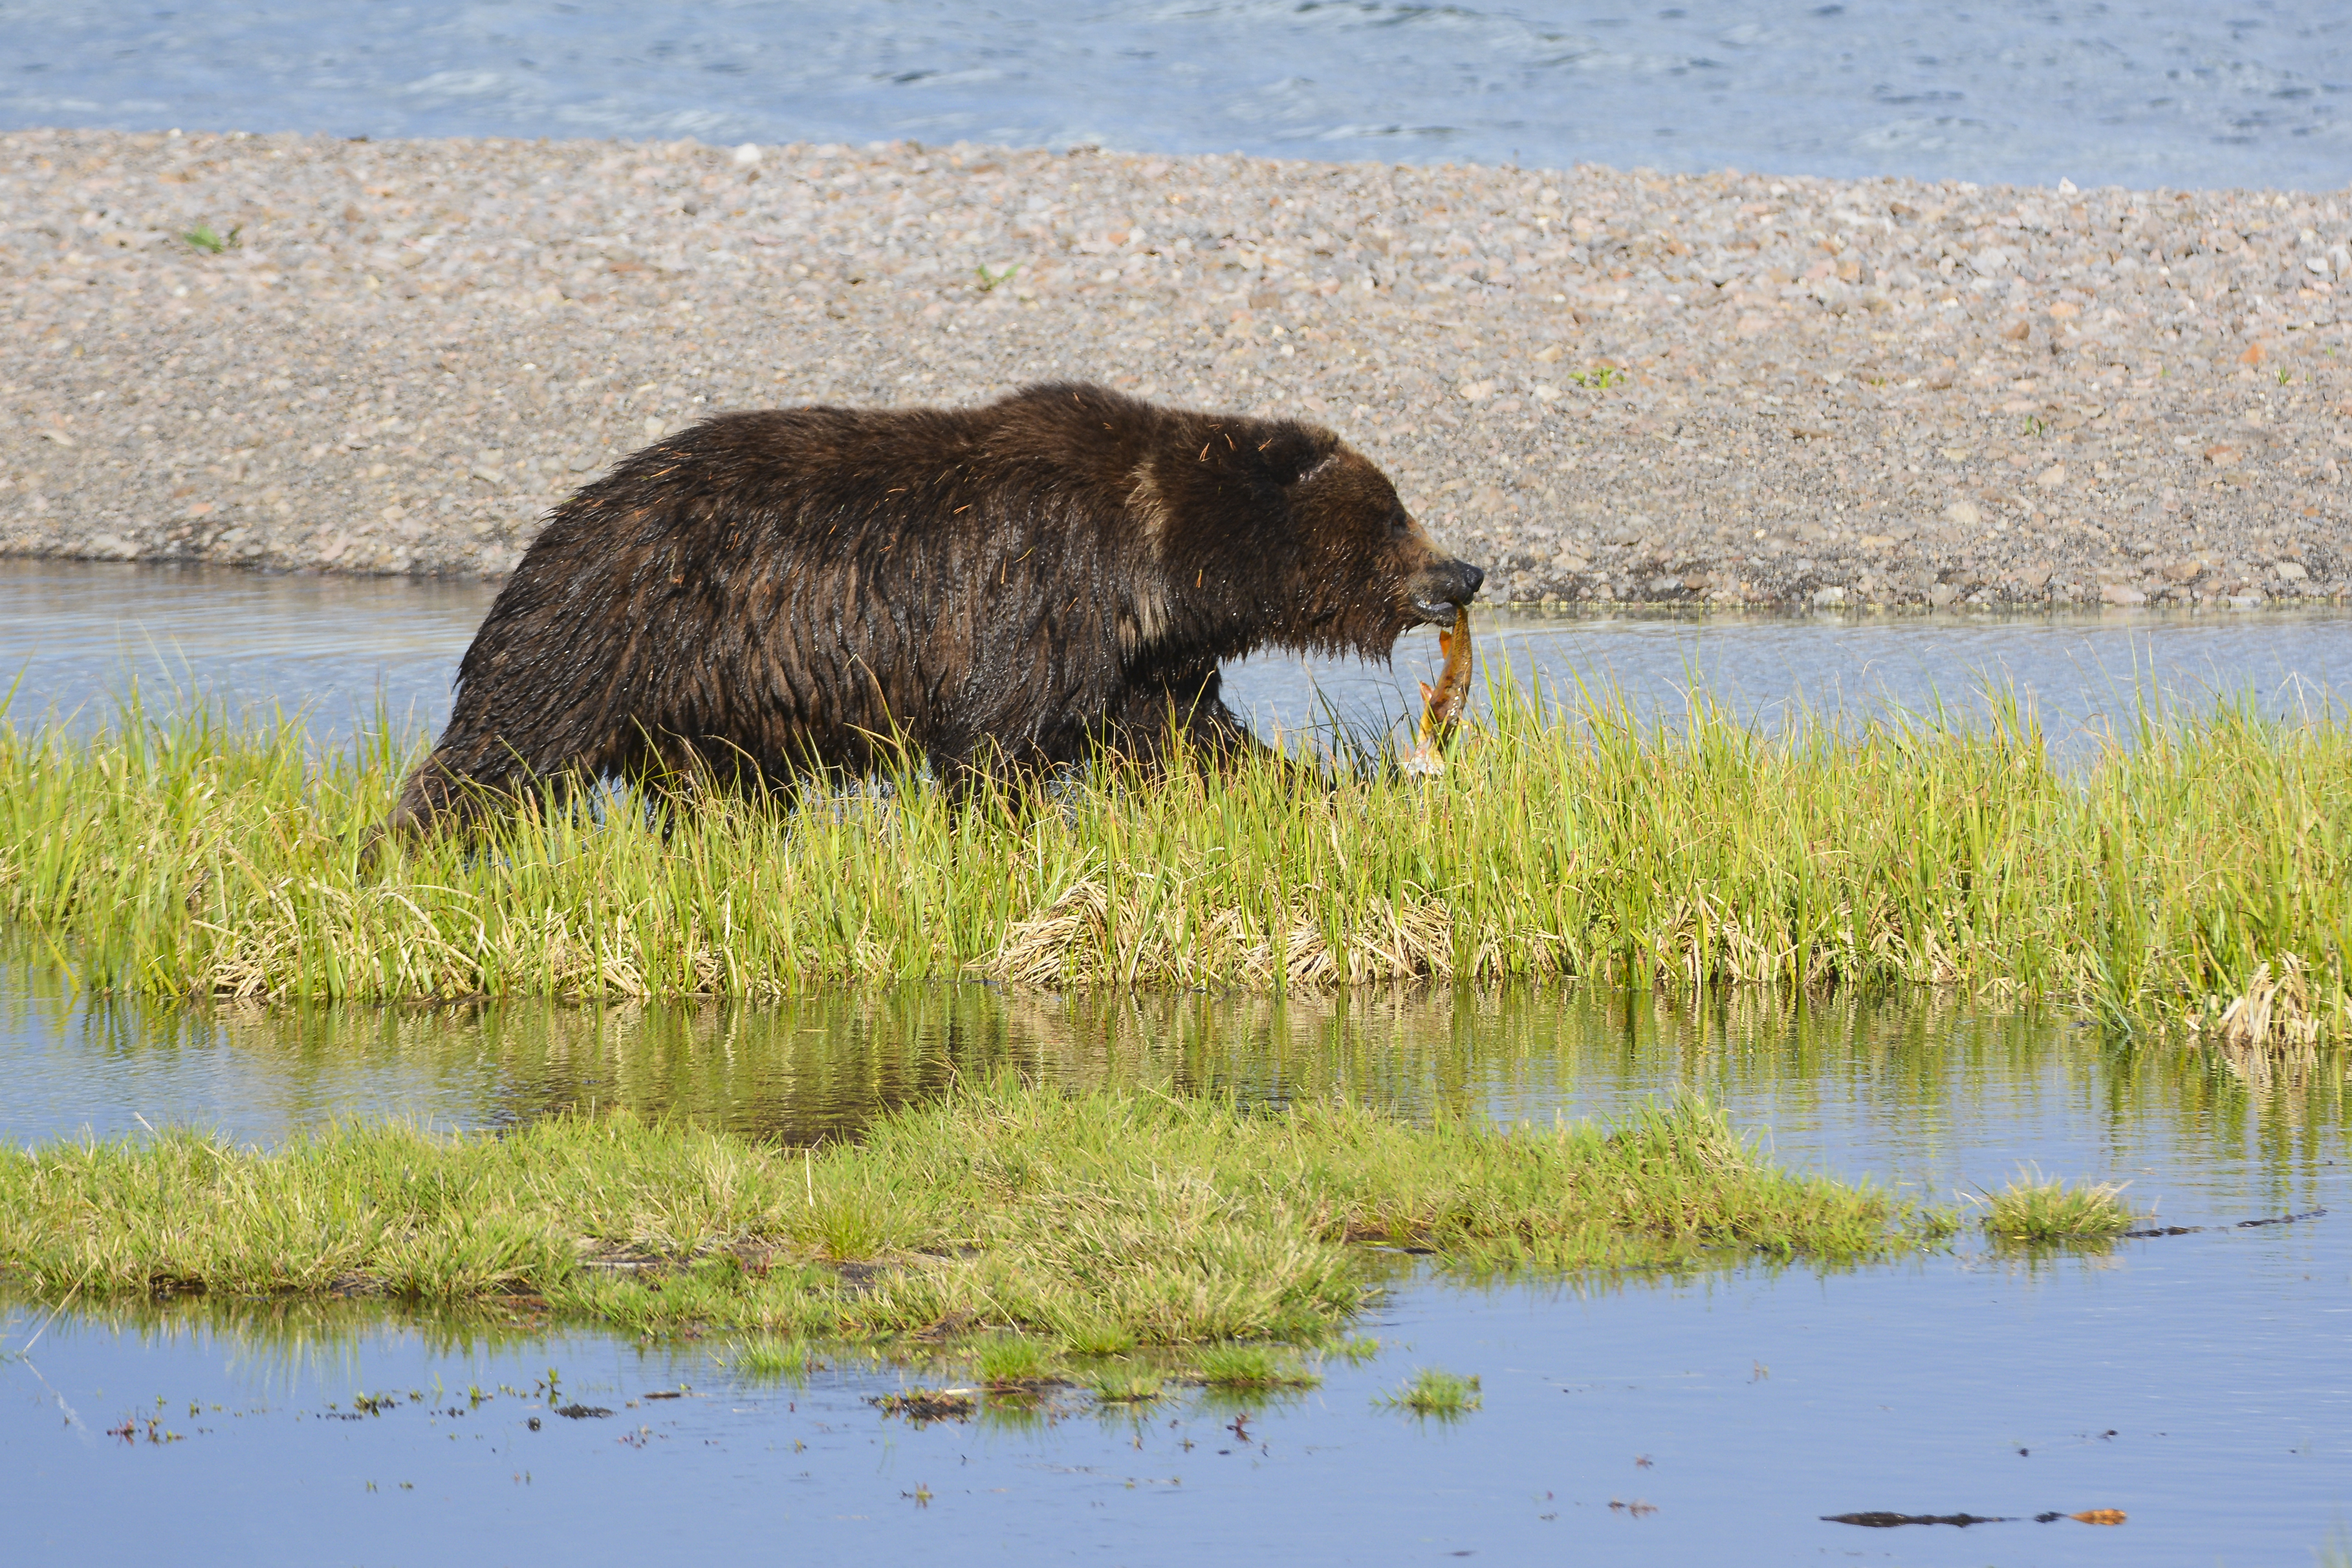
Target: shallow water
{"points": [[73, 634], [2144, 93], [2201, 1382], [1760, 1405]]}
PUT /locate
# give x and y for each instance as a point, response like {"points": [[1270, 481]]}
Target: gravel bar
{"points": [[305, 353]]}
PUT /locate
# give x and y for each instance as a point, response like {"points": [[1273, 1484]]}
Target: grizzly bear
{"points": [[822, 590]]}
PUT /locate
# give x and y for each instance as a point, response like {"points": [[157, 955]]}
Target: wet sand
{"points": [[1603, 386]]}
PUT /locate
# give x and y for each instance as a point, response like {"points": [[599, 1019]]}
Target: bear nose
{"points": [[1456, 583]]}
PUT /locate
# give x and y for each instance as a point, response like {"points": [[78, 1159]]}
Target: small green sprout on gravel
{"points": [[2032, 1211], [989, 278], [1433, 1391], [1600, 378], [1249, 1366], [205, 238]]}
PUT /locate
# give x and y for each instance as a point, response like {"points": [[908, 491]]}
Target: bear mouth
{"points": [[1438, 593]]}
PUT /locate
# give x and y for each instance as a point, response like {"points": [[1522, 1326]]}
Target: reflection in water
{"points": [[2195, 1383], [1911, 1089], [2198, 1381]]}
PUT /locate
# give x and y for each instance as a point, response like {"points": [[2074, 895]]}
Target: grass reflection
{"points": [[821, 1065]]}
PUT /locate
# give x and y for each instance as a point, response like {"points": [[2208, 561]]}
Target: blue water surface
{"points": [[2138, 92]]}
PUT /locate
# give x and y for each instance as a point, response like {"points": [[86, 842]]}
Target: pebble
{"points": [[1603, 386]]}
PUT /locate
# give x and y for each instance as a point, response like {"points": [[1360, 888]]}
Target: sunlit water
{"points": [[2144, 92], [2201, 1382], [75, 635]]}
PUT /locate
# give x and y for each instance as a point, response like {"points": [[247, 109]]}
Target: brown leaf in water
{"points": [[2100, 1516]]}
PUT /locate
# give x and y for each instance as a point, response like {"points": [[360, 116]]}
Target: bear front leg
{"points": [[474, 772], [451, 789], [1158, 719]]}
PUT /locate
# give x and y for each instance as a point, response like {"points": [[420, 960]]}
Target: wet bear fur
{"points": [[772, 594]]}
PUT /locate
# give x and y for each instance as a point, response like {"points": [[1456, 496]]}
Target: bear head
{"points": [[1286, 536]]}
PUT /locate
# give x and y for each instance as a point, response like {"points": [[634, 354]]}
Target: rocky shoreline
{"points": [[1603, 386]]}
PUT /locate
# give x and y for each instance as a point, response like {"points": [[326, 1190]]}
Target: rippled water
{"points": [[2142, 92], [2200, 1383]]}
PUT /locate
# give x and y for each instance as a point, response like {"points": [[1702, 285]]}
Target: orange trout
{"points": [[1442, 705]]}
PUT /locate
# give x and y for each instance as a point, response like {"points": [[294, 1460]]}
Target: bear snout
{"points": [[1443, 586]]}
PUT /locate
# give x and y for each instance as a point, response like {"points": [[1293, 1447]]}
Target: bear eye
{"points": [[1401, 523]]}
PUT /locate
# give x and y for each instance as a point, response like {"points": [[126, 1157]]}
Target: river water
{"points": [[2138, 92], [2200, 1383], [75, 636]]}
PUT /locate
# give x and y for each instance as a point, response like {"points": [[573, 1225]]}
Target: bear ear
{"points": [[1293, 451]]}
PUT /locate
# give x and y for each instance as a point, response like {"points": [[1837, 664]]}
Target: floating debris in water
{"points": [[1890, 1520], [922, 1404], [2242, 1224]]}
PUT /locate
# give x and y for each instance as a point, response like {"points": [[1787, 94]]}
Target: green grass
{"points": [[2158, 886], [1042, 1221], [766, 1357], [1126, 1386], [1011, 1361], [1432, 1391], [2033, 1210], [205, 238], [1253, 1366]]}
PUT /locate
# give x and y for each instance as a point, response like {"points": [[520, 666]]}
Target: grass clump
{"points": [[1093, 1220], [1126, 1386], [2206, 861], [2033, 1210], [1432, 1391], [1253, 1366], [1096, 1336], [1011, 1361], [766, 1357]]}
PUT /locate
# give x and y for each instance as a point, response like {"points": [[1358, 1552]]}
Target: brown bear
{"points": [[820, 590]]}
